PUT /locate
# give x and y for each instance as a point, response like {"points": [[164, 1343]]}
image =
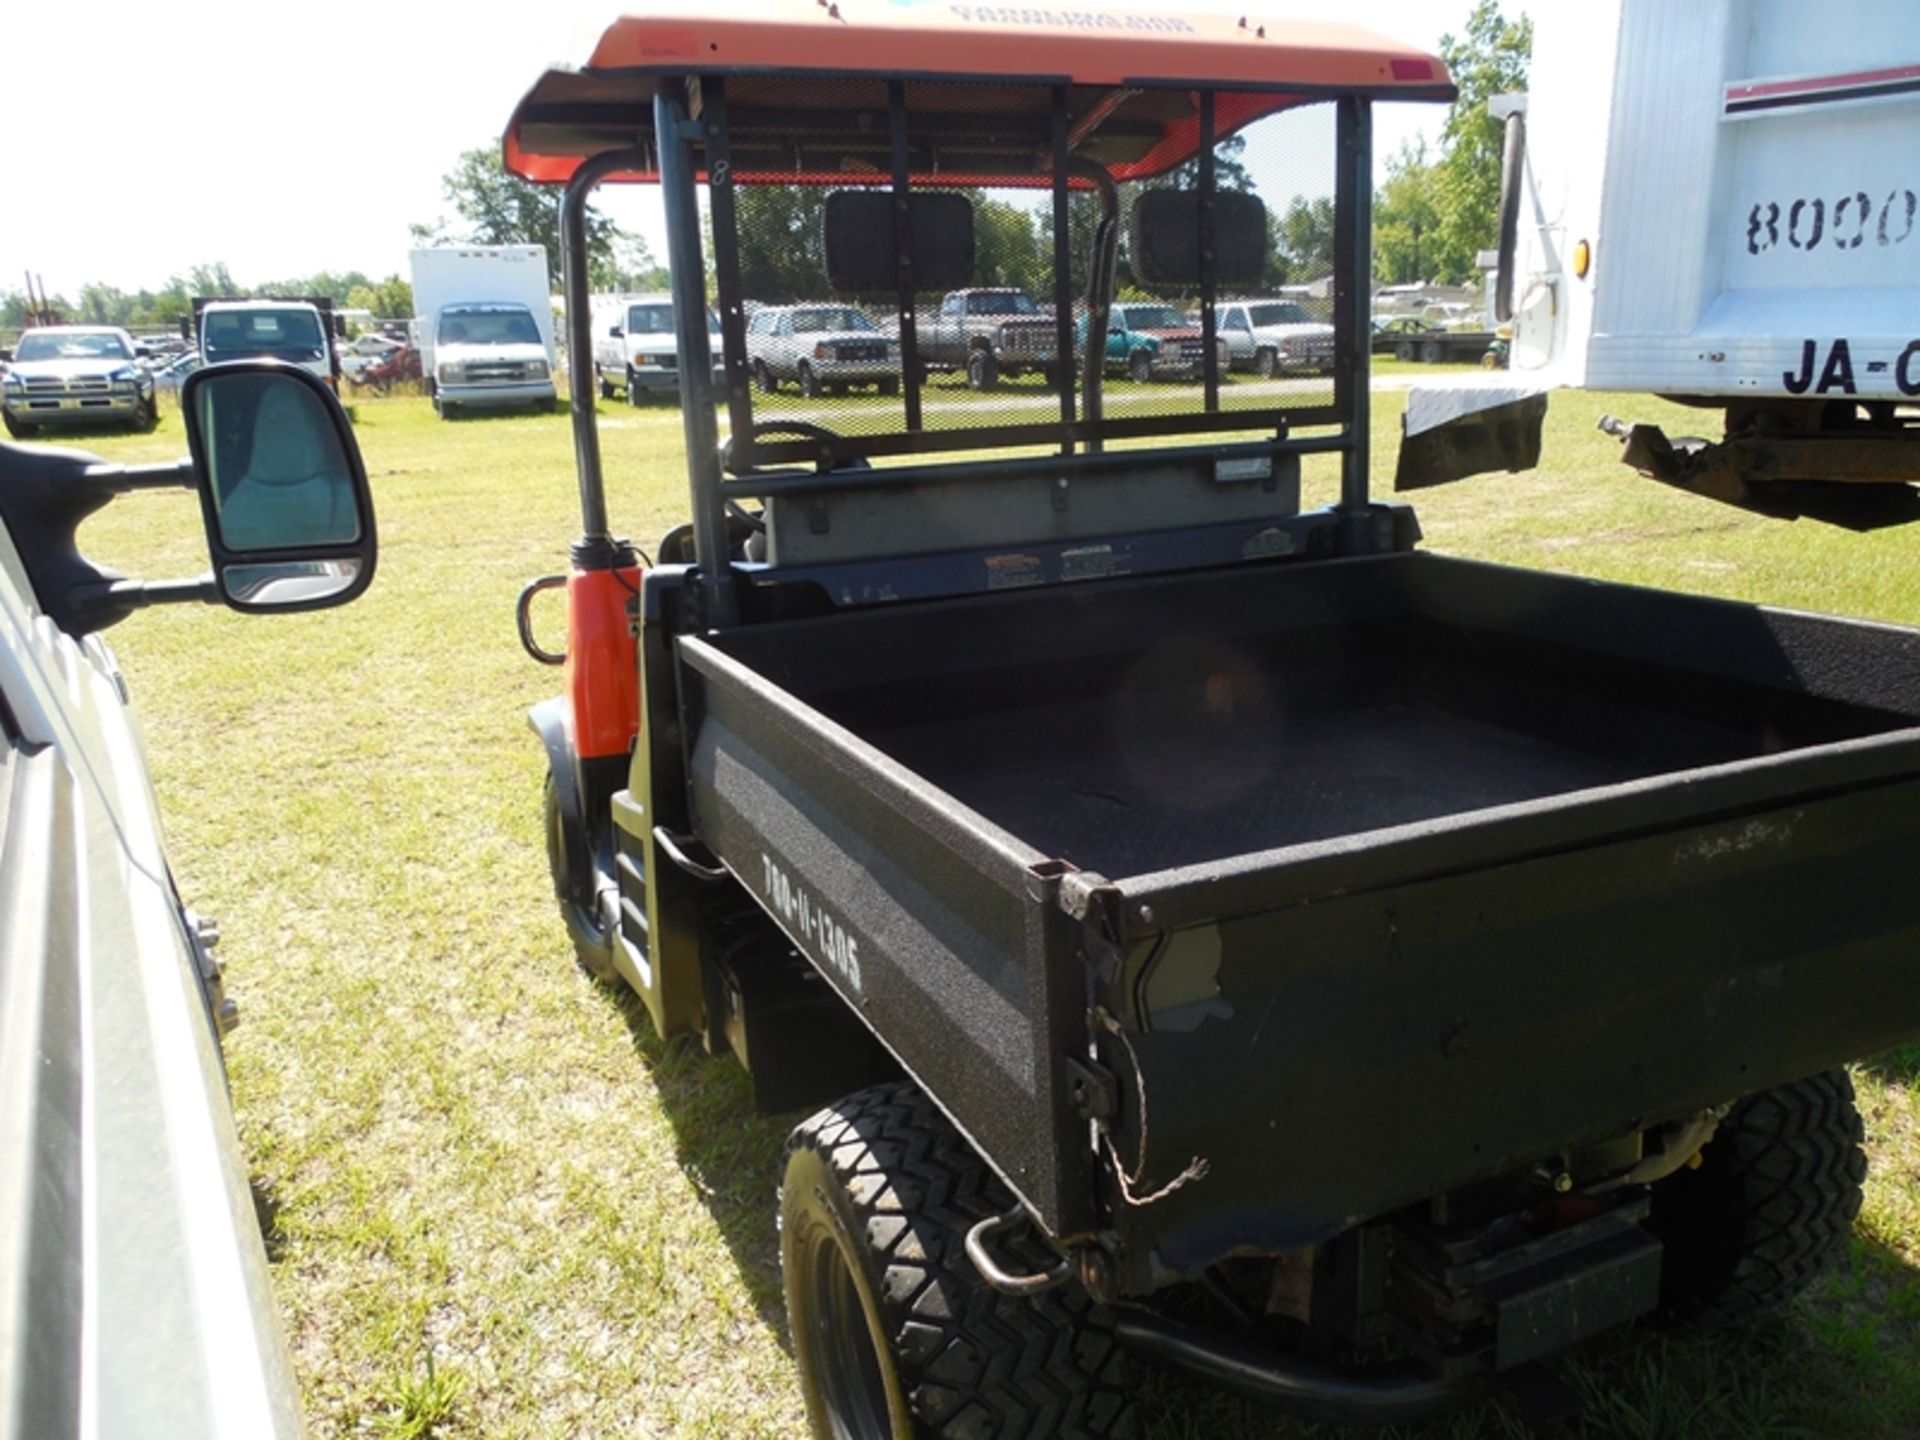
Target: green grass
{"points": [[503, 1208]]}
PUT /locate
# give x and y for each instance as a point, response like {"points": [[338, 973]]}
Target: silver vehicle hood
{"points": [[1295, 330], [69, 369]]}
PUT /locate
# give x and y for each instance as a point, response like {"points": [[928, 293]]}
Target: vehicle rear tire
{"points": [[809, 382], [1266, 364], [889, 387], [983, 371], [1431, 352], [837, 389], [1403, 350], [763, 377], [606, 386], [1140, 366], [895, 1334], [550, 405], [592, 943], [1769, 1208]]}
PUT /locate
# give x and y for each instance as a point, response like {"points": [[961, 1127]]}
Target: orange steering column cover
{"points": [[603, 676]]}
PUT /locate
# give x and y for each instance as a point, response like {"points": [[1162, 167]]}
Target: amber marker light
{"points": [[1582, 259]]}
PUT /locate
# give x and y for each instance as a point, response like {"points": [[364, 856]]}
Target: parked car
{"points": [[1271, 336], [137, 1291], [357, 355], [76, 375], [987, 334], [170, 374], [1147, 340], [635, 348], [821, 348]]}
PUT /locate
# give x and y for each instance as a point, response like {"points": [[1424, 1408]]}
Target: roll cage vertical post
{"points": [[1353, 299], [675, 131], [574, 278]]}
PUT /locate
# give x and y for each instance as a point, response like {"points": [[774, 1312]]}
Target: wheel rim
{"points": [[844, 1359]]}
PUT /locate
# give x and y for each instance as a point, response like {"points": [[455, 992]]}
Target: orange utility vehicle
{"points": [[1234, 938]]}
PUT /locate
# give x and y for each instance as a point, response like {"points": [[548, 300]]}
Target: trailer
{"points": [[1219, 933], [1714, 201]]}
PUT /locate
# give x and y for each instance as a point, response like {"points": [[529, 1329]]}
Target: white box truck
{"points": [[484, 326], [1714, 201]]}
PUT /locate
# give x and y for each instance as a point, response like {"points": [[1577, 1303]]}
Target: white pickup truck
{"points": [[1714, 201], [1271, 336]]}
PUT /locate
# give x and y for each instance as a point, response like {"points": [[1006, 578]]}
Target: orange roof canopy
{"points": [[805, 78]]}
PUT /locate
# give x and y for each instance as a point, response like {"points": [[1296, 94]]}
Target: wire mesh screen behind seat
{"points": [[900, 368]]}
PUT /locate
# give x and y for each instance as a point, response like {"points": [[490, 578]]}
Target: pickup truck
{"points": [[1147, 340], [988, 334], [1271, 337], [1215, 932], [62, 376]]}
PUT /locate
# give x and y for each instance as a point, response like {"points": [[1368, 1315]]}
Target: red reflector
{"points": [[1413, 69]]}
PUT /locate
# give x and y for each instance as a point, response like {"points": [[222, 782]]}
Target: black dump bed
{"points": [[1402, 870]]}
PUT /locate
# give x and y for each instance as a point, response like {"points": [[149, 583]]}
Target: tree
{"points": [[1006, 248], [1489, 60], [1303, 239], [783, 254], [392, 299], [503, 209], [1406, 220]]}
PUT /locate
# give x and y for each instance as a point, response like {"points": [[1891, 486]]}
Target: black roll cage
{"points": [[690, 114]]}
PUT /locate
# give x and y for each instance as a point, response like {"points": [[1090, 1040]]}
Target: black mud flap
{"points": [[1502, 437]]}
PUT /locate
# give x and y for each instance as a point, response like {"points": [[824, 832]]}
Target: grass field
{"points": [[501, 1207]]}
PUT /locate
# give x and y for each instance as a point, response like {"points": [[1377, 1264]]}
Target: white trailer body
{"points": [[476, 349], [1720, 201]]}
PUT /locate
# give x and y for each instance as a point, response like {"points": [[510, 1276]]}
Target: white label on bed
{"points": [[810, 921]]}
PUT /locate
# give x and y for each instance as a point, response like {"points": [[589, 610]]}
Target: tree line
{"points": [[161, 309]]}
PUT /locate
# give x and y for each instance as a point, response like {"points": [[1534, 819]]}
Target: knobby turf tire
{"points": [[1769, 1208], [879, 1193]]}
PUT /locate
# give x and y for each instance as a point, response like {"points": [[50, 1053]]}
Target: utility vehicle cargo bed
{"points": [[1415, 837]]}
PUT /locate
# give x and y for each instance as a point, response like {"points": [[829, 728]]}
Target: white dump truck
{"points": [[1714, 201], [484, 326]]}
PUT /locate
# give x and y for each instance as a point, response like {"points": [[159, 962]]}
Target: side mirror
{"points": [[283, 492], [614, 332], [6, 357]]}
